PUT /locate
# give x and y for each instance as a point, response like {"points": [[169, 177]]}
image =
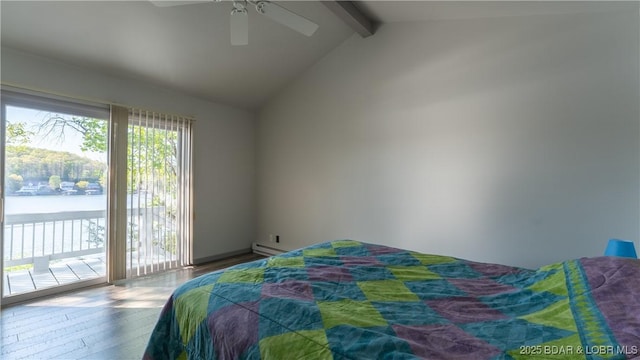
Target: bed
{"points": [[353, 300]]}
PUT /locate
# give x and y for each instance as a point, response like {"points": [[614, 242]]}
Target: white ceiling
{"points": [[187, 48], [404, 11]]}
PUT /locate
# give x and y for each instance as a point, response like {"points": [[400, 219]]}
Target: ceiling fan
{"points": [[240, 22]]}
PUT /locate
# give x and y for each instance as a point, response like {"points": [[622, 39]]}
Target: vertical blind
{"points": [[159, 202]]}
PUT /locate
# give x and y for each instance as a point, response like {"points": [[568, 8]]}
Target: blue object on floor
{"points": [[621, 248]]}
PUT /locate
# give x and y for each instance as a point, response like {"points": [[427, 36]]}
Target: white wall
{"points": [[224, 143], [509, 140]]}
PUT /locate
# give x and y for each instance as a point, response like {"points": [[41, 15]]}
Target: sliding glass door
{"points": [[55, 179], [90, 194]]}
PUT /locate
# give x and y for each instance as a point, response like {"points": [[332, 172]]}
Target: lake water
{"points": [[60, 203], [53, 204]]}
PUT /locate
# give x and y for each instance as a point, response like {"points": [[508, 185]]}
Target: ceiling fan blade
{"points": [[239, 28], [168, 3], [287, 18]]}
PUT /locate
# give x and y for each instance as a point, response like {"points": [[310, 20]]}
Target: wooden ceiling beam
{"points": [[349, 13]]}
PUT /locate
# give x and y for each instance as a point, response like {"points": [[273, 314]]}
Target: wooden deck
{"points": [[59, 273]]}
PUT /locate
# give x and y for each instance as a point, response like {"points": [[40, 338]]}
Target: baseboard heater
{"points": [[265, 250]]}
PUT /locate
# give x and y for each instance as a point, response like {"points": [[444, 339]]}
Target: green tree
{"points": [[14, 182], [17, 134], [103, 180], [94, 131], [82, 185], [54, 181], [40, 164], [156, 148]]}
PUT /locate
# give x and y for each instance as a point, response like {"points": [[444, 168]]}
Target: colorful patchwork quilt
{"points": [[353, 300]]}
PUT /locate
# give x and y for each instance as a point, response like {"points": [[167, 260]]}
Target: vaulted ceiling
{"points": [[187, 48]]}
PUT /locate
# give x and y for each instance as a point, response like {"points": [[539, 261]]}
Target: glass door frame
{"points": [[22, 98]]}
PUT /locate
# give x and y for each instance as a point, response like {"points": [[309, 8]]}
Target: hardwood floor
{"points": [[107, 322]]}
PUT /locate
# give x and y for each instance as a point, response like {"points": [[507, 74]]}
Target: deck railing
{"points": [[39, 238]]}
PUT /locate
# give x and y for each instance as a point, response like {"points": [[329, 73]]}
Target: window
{"points": [[90, 194]]}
